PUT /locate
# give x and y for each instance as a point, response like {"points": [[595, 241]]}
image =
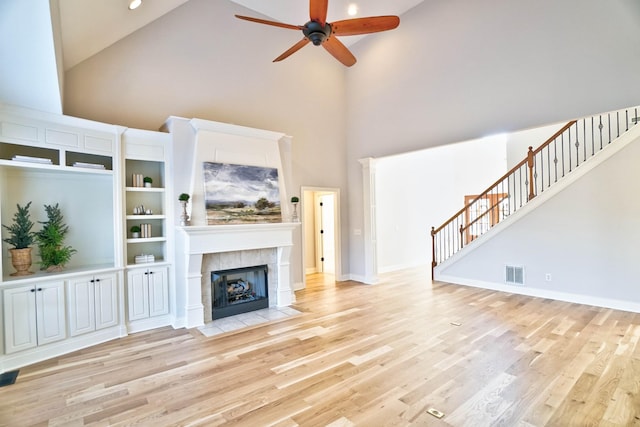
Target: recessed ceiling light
{"points": [[353, 9], [134, 4]]}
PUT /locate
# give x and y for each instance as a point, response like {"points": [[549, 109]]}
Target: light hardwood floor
{"points": [[358, 355]]}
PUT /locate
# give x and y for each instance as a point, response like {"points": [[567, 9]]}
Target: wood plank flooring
{"points": [[358, 355]]}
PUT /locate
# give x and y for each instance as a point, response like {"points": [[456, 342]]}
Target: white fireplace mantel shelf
{"points": [[238, 237], [195, 241]]}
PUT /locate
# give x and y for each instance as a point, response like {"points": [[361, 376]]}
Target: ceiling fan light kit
{"points": [[322, 33]]}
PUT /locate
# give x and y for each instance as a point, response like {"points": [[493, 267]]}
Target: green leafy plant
{"points": [[53, 252], [184, 197], [20, 234], [135, 229], [147, 179]]}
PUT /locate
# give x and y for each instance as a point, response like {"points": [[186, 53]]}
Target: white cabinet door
{"points": [[138, 294], [93, 303], [50, 312], [158, 292], [20, 331], [33, 315], [106, 293], [81, 306]]}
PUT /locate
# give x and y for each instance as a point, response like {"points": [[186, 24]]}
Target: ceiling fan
{"points": [[320, 32]]}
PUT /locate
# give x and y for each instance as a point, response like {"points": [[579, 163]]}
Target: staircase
{"points": [[575, 143]]}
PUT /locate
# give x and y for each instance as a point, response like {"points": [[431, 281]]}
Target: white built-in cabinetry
{"points": [[148, 292], [93, 303], [148, 257], [34, 315], [48, 159]]}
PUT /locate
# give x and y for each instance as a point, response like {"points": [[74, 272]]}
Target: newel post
{"points": [[433, 250], [530, 164]]}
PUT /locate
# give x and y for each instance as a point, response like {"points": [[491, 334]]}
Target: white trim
{"points": [[542, 293]]}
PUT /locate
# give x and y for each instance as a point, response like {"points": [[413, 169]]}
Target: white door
{"points": [[106, 292], [138, 294], [20, 331], [81, 306], [50, 312], [328, 233], [158, 292]]}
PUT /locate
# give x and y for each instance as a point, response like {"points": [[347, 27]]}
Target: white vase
{"points": [[184, 218]]}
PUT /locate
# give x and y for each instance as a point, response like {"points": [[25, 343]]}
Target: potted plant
{"points": [[135, 231], [53, 253], [184, 217], [147, 181], [21, 238]]}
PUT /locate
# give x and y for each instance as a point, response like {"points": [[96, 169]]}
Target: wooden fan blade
{"points": [[296, 47], [318, 11], [274, 23], [373, 24], [339, 51]]}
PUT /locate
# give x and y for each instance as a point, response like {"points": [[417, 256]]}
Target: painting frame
{"points": [[241, 194]]}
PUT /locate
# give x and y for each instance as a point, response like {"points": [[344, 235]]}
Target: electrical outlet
{"points": [[547, 277], [435, 412]]}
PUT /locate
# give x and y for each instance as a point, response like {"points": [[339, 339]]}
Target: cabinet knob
{"points": [[92, 281], [32, 290], [39, 289], [97, 280]]}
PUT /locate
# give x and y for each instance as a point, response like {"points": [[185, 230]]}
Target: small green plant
{"points": [[135, 229], [184, 197], [53, 252], [147, 179], [294, 199], [20, 234]]}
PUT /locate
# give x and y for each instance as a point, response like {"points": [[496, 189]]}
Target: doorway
{"points": [[320, 214]]}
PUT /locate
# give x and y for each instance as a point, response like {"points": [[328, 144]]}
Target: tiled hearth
{"points": [[247, 320]]}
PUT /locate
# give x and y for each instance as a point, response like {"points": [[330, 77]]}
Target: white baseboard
{"points": [[543, 293]]}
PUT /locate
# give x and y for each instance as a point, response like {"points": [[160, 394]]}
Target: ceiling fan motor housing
{"points": [[316, 32]]}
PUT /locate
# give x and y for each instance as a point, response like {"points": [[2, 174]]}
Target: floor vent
{"points": [[514, 275], [8, 378]]}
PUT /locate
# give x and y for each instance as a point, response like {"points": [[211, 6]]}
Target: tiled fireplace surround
{"points": [[210, 248], [238, 259]]}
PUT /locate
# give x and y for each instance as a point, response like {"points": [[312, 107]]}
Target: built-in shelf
{"points": [[146, 239], [146, 189], [145, 217]]}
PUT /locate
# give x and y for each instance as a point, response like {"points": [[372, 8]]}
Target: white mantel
{"points": [[192, 242]]}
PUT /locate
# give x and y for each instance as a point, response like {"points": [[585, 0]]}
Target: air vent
{"points": [[514, 275]]}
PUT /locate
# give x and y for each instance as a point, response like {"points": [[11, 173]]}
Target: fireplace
{"points": [[201, 248], [239, 290]]}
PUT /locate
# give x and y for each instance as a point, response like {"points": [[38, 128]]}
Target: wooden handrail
{"points": [[530, 154]]}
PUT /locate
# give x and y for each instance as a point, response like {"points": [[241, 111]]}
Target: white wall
{"points": [[458, 69], [28, 67], [199, 61], [453, 70], [418, 190], [585, 236]]}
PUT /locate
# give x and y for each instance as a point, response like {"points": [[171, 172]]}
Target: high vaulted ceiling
{"points": [[88, 27]]}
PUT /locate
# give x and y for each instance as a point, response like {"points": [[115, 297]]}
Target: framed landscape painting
{"points": [[239, 194]]}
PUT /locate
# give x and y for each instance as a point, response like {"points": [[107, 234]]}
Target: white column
{"points": [[194, 310], [285, 295], [370, 226]]}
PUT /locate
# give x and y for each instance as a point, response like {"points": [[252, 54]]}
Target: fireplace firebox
{"points": [[239, 290]]}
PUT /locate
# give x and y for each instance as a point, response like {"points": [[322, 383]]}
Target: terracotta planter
{"points": [[21, 261]]}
